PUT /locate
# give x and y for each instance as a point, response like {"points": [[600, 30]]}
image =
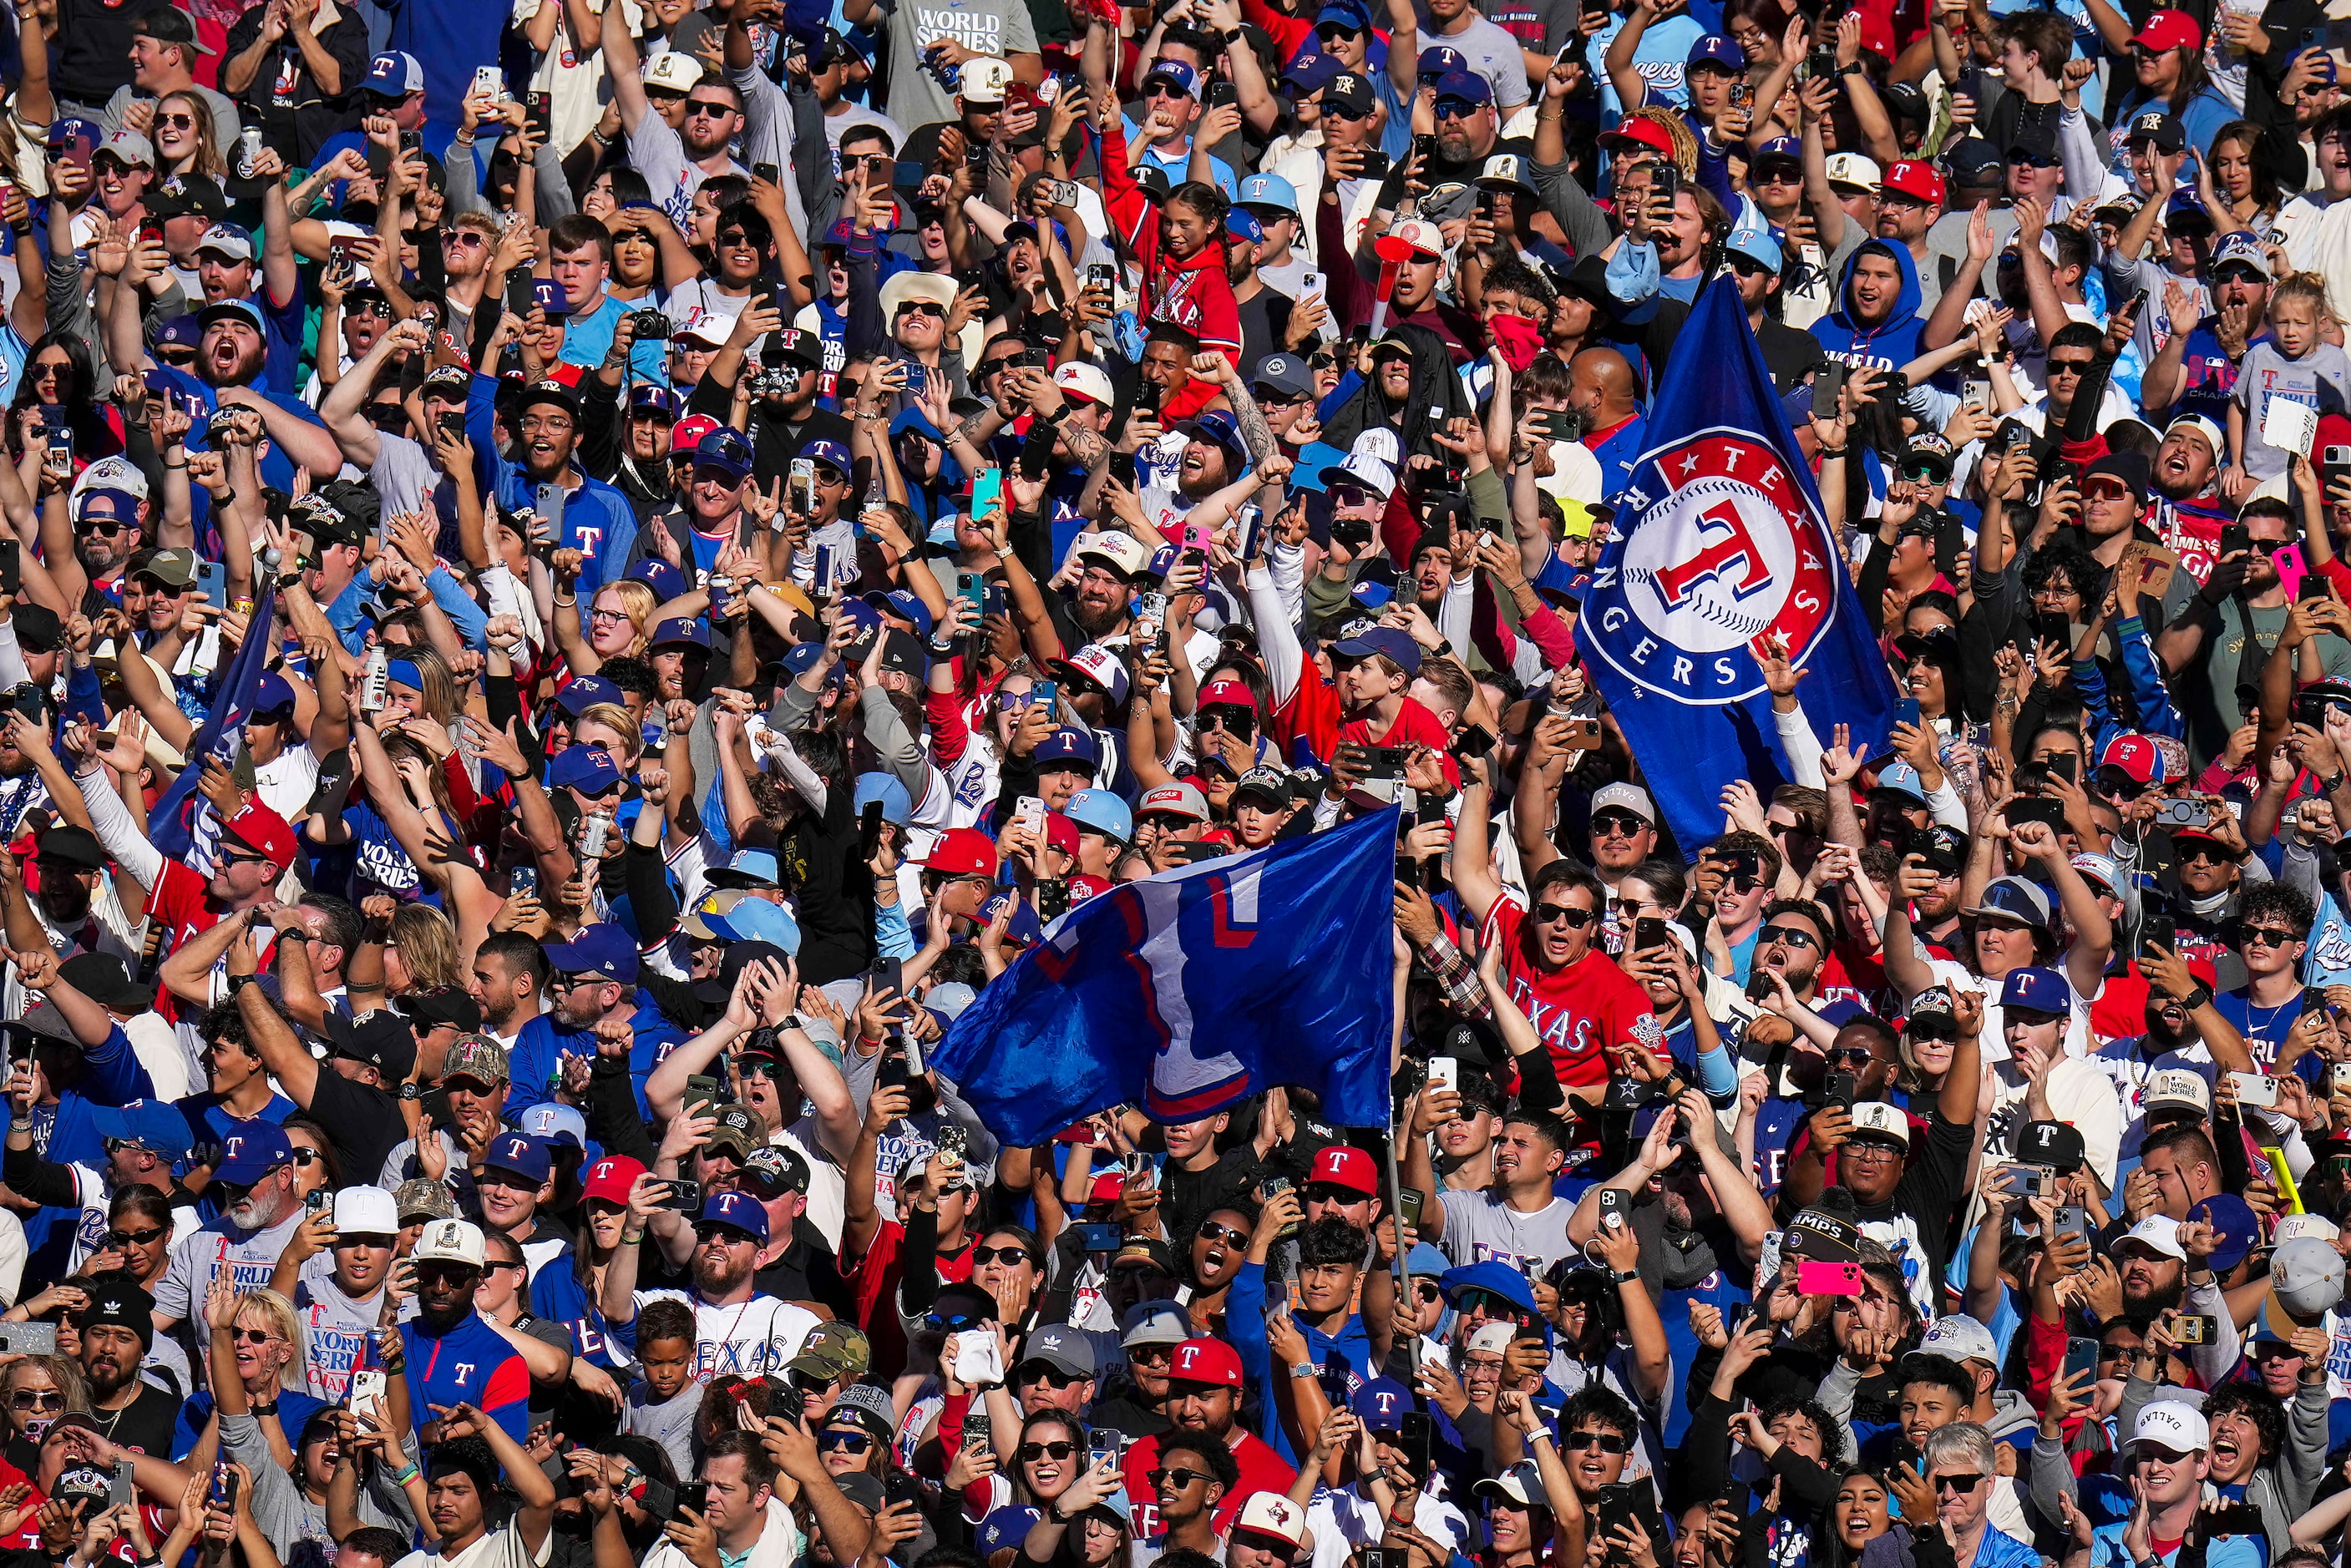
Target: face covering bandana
{"points": [[1518, 339]]}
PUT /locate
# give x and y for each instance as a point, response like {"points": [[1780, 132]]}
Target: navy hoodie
{"points": [[1894, 342]]}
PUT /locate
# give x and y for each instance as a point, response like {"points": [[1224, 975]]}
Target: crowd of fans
{"points": [[579, 580]]}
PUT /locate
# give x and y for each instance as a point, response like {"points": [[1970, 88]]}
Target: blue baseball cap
{"points": [[1714, 50], [1349, 12], [757, 920], [725, 450], [2232, 1221], [829, 452], [1756, 244], [582, 693], [152, 1125], [251, 1150], [2042, 990], [1310, 73], [1495, 1279], [272, 692], [906, 605], [180, 332], [652, 396], [801, 657], [1903, 779], [1440, 58], [2012, 899], [393, 75], [1399, 646], [1241, 224], [591, 770], [740, 1209], [243, 310], [1273, 190], [1784, 149], [680, 629], [1467, 86], [897, 805], [603, 949], [749, 869], [555, 1124], [1176, 71], [1067, 744], [659, 576], [1314, 459], [528, 1157], [1218, 428], [1380, 1403], [1103, 812]]}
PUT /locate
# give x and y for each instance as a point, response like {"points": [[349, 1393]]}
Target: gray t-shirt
{"points": [[2266, 375], [195, 1259], [1492, 54], [1480, 1228], [669, 1422], [984, 26], [335, 1328]]}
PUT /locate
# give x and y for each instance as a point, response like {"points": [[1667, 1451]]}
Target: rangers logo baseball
{"points": [[1728, 549]]}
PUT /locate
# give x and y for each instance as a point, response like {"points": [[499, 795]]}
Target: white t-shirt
{"points": [[335, 1328], [498, 1549], [748, 1338], [196, 1258]]}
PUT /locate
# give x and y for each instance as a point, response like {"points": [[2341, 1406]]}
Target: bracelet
{"points": [[1304, 1370], [1628, 1276], [630, 1241], [257, 1409], [181, 464], [406, 1474], [1831, 451]]}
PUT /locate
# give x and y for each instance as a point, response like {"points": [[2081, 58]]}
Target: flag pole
{"points": [[1403, 1260]]}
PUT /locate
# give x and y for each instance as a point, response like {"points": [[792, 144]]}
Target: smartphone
{"points": [[803, 484], [682, 1197], [1905, 711], [2157, 931], [1649, 933], [766, 172], [549, 501], [1828, 383], [1821, 62], [977, 1429], [1839, 1089], [701, 1089], [1445, 1072], [2338, 1077], [693, 1496], [2255, 1089], [1376, 165], [1819, 1279], [366, 1395], [28, 1338], [59, 460], [2236, 538], [2030, 1181], [1416, 1437], [1615, 1207], [1409, 1201], [1028, 812], [987, 490], [212, 583], [12, 568], [2335, 463], [2081, 1357], [489, 80], [540, 108], [122, 1488], [1099, 1238], [1101, 275], [2195, 1328]]}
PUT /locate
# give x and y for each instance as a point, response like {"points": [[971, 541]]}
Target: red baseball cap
{"points": [[686, 434], [1225, 695], [2170, 30], [1645, 132], [2136, 755], [1912, 178], [1341, 1165], [1082, 886], [1061, 833], [962, 852], [261, 829], [1206, 1361], [611, 1178], [1877, 33]]}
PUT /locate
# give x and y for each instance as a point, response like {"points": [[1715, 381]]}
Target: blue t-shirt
{"points": [[2107, 1551], [588, 338], [294, 1412]]}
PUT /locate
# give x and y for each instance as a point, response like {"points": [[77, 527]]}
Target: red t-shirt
{"points": [[875, 1279], [1415, 726], [1580, 1011], [183, 905], [1261, 1468], [2120, 1010]]}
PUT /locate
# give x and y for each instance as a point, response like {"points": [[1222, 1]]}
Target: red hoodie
{"points": [[1195, 293]]}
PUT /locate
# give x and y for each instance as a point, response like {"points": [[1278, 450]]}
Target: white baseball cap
{"points": [[2304, 1228], [1077, 379], [984, 81], [672, 70], [1271, 1513], [1961, 1337], [452, 1242], [1492, 1339], [2158, 1234], [1883, 1120], [1854, 168], [1624, 797], [2178, 1086], [2307, 1276], [2174, 1425], [366, 1212]]}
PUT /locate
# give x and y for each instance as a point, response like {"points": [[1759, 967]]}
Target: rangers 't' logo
{"points": [[1727, 549]]}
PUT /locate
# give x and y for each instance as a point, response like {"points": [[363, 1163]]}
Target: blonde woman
{"points": [[618, 618], [259, 1333]]}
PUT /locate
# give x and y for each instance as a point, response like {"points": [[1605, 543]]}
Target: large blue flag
{"points": [[171, 825], [1190, 990], [1720, 545]]}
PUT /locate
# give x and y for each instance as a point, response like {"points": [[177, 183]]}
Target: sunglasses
{"points": [[36, 1399], [251, 1335], [2268, 937], [1616, 825], [1028, 1453], [1791, 936], [1958, 1483], [136, 1238], [176, 121], [464, 239], [101, 528], [1576, 919], [1606, 1442], [1457, 108], [923, 307], [844, 1442], [1331, 1192], [1211, 1231], [707, 109], [980, 1255], [1179, 1478]]}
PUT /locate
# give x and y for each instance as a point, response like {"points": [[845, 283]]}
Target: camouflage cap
{"points": [[423, 1199], [843, 1343], [475, 1056]]}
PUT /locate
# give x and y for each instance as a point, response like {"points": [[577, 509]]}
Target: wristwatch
{"points": [[2199, 997], [411, 1092], [237, 982], [1626, 1276]]}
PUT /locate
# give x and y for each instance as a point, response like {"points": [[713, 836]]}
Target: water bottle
{"points": [[375, 682]]}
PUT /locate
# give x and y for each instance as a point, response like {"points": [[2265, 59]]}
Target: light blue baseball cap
{"points": [[898, 806], [1756, 244], [1269, 190], [1103, 812]]}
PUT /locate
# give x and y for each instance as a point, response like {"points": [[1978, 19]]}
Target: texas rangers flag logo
{"points": [[1727, 551]]}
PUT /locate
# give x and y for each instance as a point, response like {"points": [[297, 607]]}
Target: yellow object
{"points": [[2285, 1178]]}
